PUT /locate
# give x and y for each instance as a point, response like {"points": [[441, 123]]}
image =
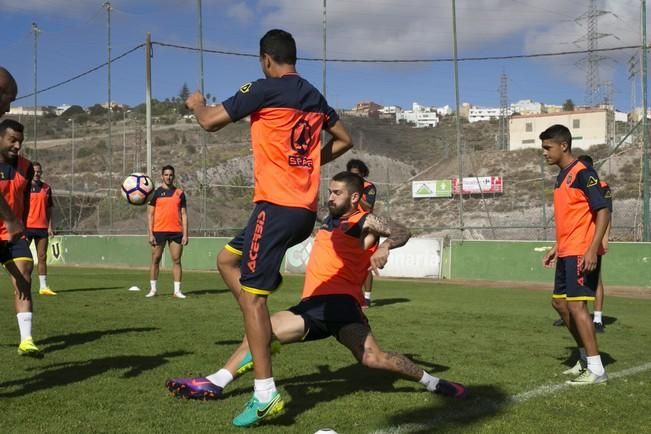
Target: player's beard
{"points": [[337, 211]]}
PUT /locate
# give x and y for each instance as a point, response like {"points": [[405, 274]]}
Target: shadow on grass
{"points": [[207, 291], [443, 414], [63, 374], [606, 358], [56, 343], [388, 301], [96, 288], [607, 320], [326, 385]]}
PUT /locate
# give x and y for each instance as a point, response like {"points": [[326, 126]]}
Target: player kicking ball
{"points": [[330, 304]]}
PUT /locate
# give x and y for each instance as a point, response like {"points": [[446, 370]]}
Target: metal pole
{"points": [[542, 197], [324, 64], [124, 142], [458, 115], [148, 55], [72, 171], [204, 147], [36, 31], [109, 190], [645, 133]]}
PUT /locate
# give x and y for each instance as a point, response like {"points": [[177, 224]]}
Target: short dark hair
{"points": [[559, 134], [280, 45], [10, 124], [586, 159], [359, 165], [167, 167], [354, 182], [36, 163]]}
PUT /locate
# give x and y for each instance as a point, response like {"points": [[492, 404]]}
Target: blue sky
{"points": [[73, 39]]}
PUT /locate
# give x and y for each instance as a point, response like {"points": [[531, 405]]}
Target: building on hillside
{"points": [[477, 114], [114, 105], [636, 114], [446, 110], [464, 110], [419, 116], [61, 109], [588, 127], [552, 108], [389, 112], [365, 109], [27, 111], [526, 107]]}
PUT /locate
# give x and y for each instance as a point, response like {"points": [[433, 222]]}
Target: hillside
{"points": [[396, 154]]}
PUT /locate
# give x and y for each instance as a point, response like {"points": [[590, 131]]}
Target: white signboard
{"points": [[418, 258]]}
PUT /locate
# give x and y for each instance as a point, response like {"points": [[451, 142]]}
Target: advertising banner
{"points": [[437, 188]]}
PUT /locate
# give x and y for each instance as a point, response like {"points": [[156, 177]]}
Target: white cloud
{"points": [[241, 11]]}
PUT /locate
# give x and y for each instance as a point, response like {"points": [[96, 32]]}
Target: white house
{"points": [[526, 107], [420, 116], [477, 114], [588, 127]]}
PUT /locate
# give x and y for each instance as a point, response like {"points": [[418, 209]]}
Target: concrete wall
{"points": [[626, 264], [128, 251]]}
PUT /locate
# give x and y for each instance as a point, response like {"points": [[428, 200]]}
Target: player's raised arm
{"points": [[209, 118], [338, 145], [397, 236]]}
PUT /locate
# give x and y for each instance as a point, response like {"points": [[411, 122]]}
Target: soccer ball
{"points": [[326, 431], [137, 188]]}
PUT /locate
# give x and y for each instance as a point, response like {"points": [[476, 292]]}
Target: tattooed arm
{"points": [[397, 236]]}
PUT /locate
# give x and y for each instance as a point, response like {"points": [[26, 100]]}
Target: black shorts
{"points": [[17, 251], [573, 285], [325, 315], [162, 237], [35, 234], [271, 230]]}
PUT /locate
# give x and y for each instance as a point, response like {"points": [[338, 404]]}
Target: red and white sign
{"points": [[478, 185]]}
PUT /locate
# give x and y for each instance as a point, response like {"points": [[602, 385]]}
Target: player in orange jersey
{"points": [[366, 203], [168, 224], [332, 297], [582, 217], [16, 173], [39, 224], [8, 92], [287, 116]]}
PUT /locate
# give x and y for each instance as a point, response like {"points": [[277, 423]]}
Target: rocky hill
{"points": [[396, 155]]}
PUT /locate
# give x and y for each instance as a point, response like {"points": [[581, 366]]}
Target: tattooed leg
{"points": [[359, 340]]}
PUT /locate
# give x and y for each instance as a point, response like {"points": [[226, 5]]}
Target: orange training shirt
{"points": [[287, 116], [577, 198], [14, 187], [167, 205], [338, 262], [40, 199]]}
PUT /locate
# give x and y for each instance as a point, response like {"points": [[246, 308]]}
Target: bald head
{"points": [[8, 90]]}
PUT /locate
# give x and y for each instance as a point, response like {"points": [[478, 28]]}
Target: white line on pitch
{"points": [[515, 399]]}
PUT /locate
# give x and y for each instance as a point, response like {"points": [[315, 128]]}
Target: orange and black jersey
{"points": [[577, 198], [368, 195], [40, 200], [287, 116], [15, 180], [608, 194], [167, 205], [338, 262]]}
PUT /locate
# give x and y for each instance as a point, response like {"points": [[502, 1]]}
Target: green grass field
{"points": [[108, 353]]}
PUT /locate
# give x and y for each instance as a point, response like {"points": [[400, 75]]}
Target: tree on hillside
{"points": [[568, 105], [184, 93], [97, 110], [73, 110]]}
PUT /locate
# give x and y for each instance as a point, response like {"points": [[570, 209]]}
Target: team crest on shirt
{"points": [[301, 142], [592, 181], [568, 180], [246, 87]]}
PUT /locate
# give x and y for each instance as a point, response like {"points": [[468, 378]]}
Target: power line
{"points": [[433, 60], [98, 67]]}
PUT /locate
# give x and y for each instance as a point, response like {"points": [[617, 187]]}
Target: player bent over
{"points": [[332, 298], [582, 216], [16, 175]]}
